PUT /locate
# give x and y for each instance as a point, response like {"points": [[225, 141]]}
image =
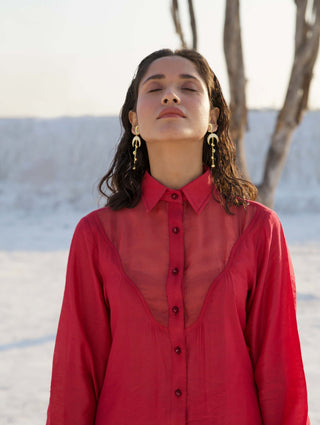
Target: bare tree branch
{"points": [[177, 23], [237, 81], [193, 25], [306, 51]]}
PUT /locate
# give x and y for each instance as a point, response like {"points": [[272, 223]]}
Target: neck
{"points": [[175, 166]]}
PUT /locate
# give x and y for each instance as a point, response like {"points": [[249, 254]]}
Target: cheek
{"points": [[201, 106], [203, 118], [143, 110], [206, 108], [204, 114]]}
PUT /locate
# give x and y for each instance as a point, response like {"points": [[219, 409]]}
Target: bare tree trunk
{"points": [[177, 23], [193, 26], [178, 27], [237, 81], [306, 50]]}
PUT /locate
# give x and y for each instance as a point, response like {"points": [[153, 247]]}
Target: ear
{"points": [[214, 115], [133, 120]]}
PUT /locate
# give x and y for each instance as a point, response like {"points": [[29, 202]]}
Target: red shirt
{"points": [[176, 313]]}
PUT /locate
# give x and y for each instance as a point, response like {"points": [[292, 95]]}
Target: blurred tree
{"points": [[307, 36], [237, 81], [175, 13]]}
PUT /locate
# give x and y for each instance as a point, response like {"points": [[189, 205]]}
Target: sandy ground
{"points": [[30, 297]]}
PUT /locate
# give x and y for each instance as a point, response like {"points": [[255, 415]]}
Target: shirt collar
{"points": [[197, 192]]}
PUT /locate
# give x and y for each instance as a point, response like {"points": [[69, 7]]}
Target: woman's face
{"points": [[173, 102]]}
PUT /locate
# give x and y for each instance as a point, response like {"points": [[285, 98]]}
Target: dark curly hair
{"points": [[124, 184]]}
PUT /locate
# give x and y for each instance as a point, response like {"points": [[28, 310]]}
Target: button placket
{"points": [[174, 290]]}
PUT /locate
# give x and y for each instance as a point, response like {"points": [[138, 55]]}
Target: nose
{"points": [[170, 97]]}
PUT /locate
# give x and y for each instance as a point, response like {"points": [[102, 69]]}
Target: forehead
{"points": [[172, 66]]}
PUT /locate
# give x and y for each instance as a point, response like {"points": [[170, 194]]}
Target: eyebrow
{"points": [[162, 76]]}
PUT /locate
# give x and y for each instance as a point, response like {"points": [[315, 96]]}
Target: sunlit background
{"points": [[75, 57]]}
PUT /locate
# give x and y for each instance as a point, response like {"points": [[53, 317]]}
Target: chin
{"points": [[176, 135]]}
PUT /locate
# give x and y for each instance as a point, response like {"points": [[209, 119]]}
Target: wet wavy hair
{"points": [[121, 185]]}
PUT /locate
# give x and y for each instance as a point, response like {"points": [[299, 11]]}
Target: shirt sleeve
{"points": [[272, 333], [83, 339]]}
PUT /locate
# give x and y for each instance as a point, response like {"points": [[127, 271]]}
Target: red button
{"points": [[175, 271], [174, 196], [178, 392], [177, 349], [176, 230], [175, 309]]}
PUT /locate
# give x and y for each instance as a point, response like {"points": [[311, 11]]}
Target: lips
{"points": [[171, 113]]}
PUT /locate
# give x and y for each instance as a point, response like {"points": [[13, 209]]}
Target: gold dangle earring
{"points": [[210, 140], [136, 143]]}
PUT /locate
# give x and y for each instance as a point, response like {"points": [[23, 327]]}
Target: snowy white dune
{"points": [[49, 169]]}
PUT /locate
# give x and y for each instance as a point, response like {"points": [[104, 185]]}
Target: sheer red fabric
{"points": [[176, 312]]}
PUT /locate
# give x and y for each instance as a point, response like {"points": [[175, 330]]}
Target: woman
{"points": [[179, 305]]}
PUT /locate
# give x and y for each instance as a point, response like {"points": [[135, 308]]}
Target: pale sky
{"points": [[77, 57]]}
